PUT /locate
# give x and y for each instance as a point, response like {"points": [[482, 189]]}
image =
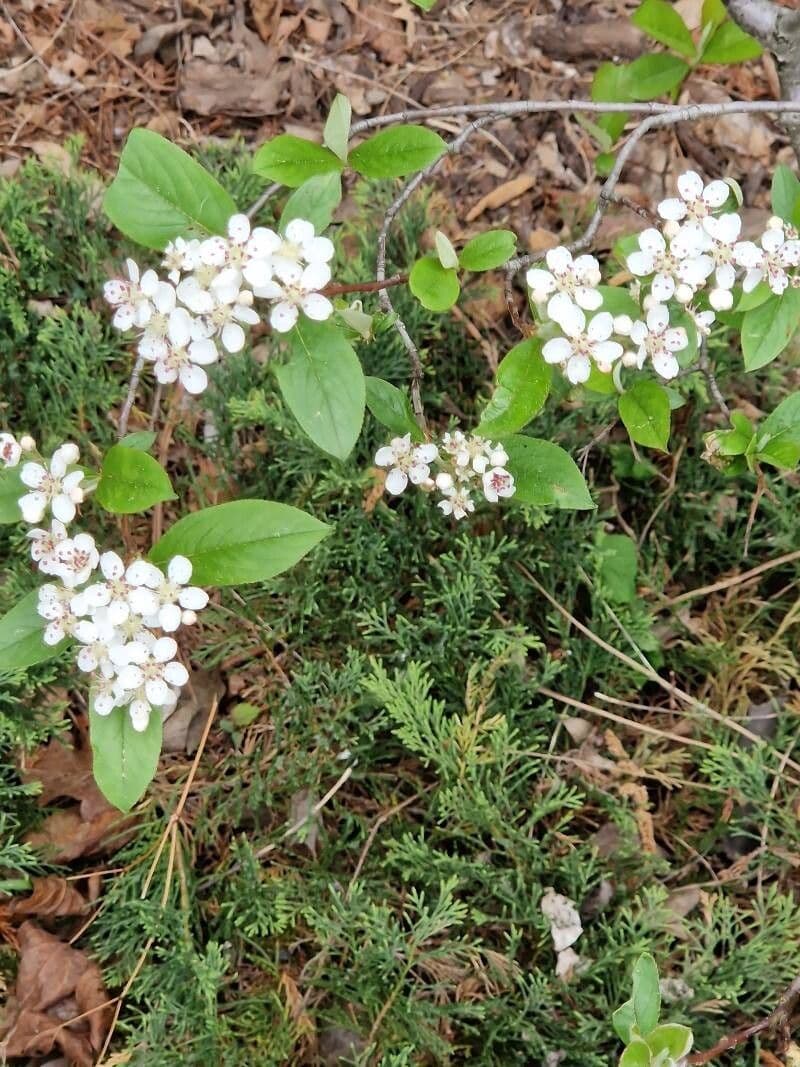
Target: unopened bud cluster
{"points": [[467, 465], [122, 618]]}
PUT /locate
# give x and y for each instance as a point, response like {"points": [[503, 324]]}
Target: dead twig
{"points": [[778, 1020]]}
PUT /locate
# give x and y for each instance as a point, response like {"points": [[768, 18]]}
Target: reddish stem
{"points": [[365, 287]]}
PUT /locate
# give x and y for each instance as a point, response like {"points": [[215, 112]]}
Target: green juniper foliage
{"points": [[402, 923]]}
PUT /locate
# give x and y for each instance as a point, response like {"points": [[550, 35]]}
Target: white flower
{"points": [[697, 200], [10, 450], [473, 451], [162, 599], [180, 256], [298, 295], [153, 342], [52, 485], [583, 345], [234, 306], [101, 641], [407, 462], [54, 606], [185, 364], [133, 299], [44, 546], [658, 341], [566, 282], [113, 593], [668, 264], [457, 502], [498, 482], [300, 243], [76, 558], [723, 235], [153, 669], [103, 695], [770, 262]]}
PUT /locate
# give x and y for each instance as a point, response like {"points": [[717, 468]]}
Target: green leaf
{"points": [[637, 1054], [131, 481], [292, 160], [545, 474], [768, 329], [436, 287], [646, 994], [623, 1021], [398, 151], [315, 200], [618, 301], [754, 298], [659, 20], [617, 564], [714, 13], [141, 439], [392, 408], [786, 194], [652, 76], [488, 250], [11, 489], [323, 386], [783, 429], [243, 714], [425, 5], [730, 44], [21, 640], [124, 760], [645, 411], [522, 385], [336, 134], [610, 85], [672, 1038], [600, 382], [159, 193], [444, 250], [242, 541]]}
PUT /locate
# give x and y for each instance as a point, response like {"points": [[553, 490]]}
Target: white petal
{"points": [[318, 250], [283, 317], [111, 565], [695, 271], [396, 481], [641, 264], [541, 281], [176, 674], [672, 209], [315, 276], [32, 475], [263, 242], [657, 319], [140, 715], [193, 598], [102, 703], [607, 351], [193, 379], [385, 456], [726, 276], [716, 193], [233, 337], [663, 287], [751, 279], [288, 270], [63, 507], [300, 231], [169, 618], [728, 227], [559, 259], [179, 570], [571, 320], [600, 327], [418, 473], [258, 272], [426, 453], [179, 327], [239, 228], [666, 366], [559, 306], [164, 649], [317, 306], [557, 350], [652, 242], [143, 601], [203, 351], [33, 506], [242, 313], [690, 185], [578, 369], [589, 299]]}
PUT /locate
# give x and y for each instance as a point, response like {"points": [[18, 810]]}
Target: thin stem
{"points": [[133, 385], [365, 287], [704, 363]]}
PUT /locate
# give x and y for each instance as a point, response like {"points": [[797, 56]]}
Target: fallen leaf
{"points": [[154, 36], [562, 917], [184, 726], [213, 89], [50, 897], [503, 194], [55, 984]]}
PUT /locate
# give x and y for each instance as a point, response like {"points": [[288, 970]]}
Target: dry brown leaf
{"points": [[503, 194], [55, 983], [184, 726], [50, 897], [154, 36], [213, 89]]}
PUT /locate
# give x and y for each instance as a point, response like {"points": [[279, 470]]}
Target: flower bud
{"points": [[444, 481], [721, 299], [684, 293], [27, 443], [629, 359], [671, 228], [623, 325], [775, 223], [188, 618]]}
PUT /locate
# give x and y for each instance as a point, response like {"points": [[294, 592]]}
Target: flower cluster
{"points": [[696, 257], [468, 463], [121, 618], [182, 322]]}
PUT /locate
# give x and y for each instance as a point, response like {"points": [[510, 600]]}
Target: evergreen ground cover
{"points": [[406, 659]]}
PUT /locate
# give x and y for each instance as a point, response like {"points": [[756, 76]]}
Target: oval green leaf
{"points": [[659, 20], [21, 636], [124, 760], [652, 76], [448, 257], [645, 411], [768, 329], [337, 126], [131, 481], [11, 489], [436, 287], [523, 383], [646, 994], [545, 474], [242, 541], [316, 200], [786, 194], [392, 408], [398, 151], [292, 160], [730, 44], [672, 1038], [160, 192], [488, 250], [323, 386]]}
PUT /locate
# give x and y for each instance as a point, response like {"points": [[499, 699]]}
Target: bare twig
{"points": [[778, 1020], [704, 364], [365, 287], [736, 579], [133, 385]]}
